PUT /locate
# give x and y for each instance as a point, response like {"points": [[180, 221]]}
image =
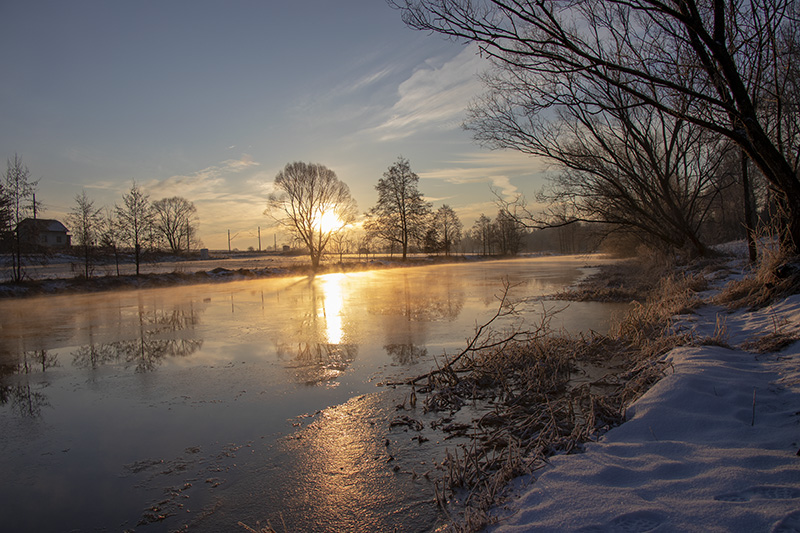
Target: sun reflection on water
{"points": [[331, 306]]}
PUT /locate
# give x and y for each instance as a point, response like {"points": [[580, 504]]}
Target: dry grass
{"points": [[771, 342], [775, 275], [624, 281], [533, 405], [782, 335]]}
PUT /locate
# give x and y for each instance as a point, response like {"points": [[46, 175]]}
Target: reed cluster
{"points": [[534, 399]]}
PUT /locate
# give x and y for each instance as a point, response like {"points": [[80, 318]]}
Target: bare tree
{"points": [[448, 228], [482, 232], [630, 166], [342, 243], [401, 214], [19, 199], [313, 204], [5, 214], [175, 220], [508, 233], [135, 221], [724, 57], [110, 234], [430, 242], [86, 223]]}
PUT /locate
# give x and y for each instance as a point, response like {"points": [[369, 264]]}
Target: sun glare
{"points": [[328, 221]]}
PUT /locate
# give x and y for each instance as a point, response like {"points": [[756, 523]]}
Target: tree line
{"points": [[135, 225], [317, 208]]}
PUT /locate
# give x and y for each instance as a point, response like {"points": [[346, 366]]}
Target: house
{"points": [[44, 232]]}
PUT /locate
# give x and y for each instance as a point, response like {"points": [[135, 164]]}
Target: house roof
{"points": [[44, 224]]}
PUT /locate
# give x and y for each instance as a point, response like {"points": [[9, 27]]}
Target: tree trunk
{"points": [[86, 260], [791, 238], [136, 251], [749, 222], [783, 178]]}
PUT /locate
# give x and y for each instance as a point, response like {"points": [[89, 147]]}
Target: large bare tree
{"points": [[634, 167], [175, 220], [732, 61], [86, 221], [508, 233], [447, 227], [401, 214], [313, 204], [19, 201], [135, 221], [481, 231]]}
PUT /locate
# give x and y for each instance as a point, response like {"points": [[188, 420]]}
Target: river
{"points": [[257, 402]]}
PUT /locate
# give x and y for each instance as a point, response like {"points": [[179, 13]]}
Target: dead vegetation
{"points": [[533, 396], [623, 281], [775, 275]]}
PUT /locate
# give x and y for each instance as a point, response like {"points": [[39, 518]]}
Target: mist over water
{"points": [[250, 401]]}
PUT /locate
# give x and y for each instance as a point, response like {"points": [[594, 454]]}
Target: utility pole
{"points": [[229, 241], [275, 236], [259, 238]]}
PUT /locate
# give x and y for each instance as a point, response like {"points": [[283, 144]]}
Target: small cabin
{"points": [[44, 232]]}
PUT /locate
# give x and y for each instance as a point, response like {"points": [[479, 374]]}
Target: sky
{"points": [[210, 100]]}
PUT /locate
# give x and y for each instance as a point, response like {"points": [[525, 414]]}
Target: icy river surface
{"points": [[230, 406]]}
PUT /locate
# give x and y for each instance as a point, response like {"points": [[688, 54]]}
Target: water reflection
{"points": [[438, 295], [405, 354], [142, 375], [342, 475], [317, 363], [160, 332], [24, 401], [316, 352], [332, 302]]}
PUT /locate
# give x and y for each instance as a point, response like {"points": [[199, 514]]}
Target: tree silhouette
{"points": [[401, 214], [135, 221], [86, 222], [313, 204], [18, 195], [448, 228], [175, 220]]}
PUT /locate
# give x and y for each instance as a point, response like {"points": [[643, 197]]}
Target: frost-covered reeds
{"points": [[527, 386]]}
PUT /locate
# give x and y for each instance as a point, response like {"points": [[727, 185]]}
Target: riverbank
{"points": [[713, 446], [687, 410], [214, 272]]}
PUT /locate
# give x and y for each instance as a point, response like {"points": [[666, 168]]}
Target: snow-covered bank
{"points": [[711, 447]]}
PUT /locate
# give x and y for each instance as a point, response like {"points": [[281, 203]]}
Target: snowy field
{"points": [[714, 446]]}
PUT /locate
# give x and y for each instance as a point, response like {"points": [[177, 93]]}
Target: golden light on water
{"points": [[331, 306]]}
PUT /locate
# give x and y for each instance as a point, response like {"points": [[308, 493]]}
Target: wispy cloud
{"points": [[366, 80], [434, 96], [205, 184], [106, 185], [497, 169], [230, 195]]}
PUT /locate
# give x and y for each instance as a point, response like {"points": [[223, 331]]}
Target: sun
{"points": [[328, 222]]}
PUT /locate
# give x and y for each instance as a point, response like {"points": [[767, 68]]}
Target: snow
{"points": [[694, 454]]}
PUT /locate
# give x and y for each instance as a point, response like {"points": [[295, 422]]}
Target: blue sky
{"points": [[209, 100]]}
